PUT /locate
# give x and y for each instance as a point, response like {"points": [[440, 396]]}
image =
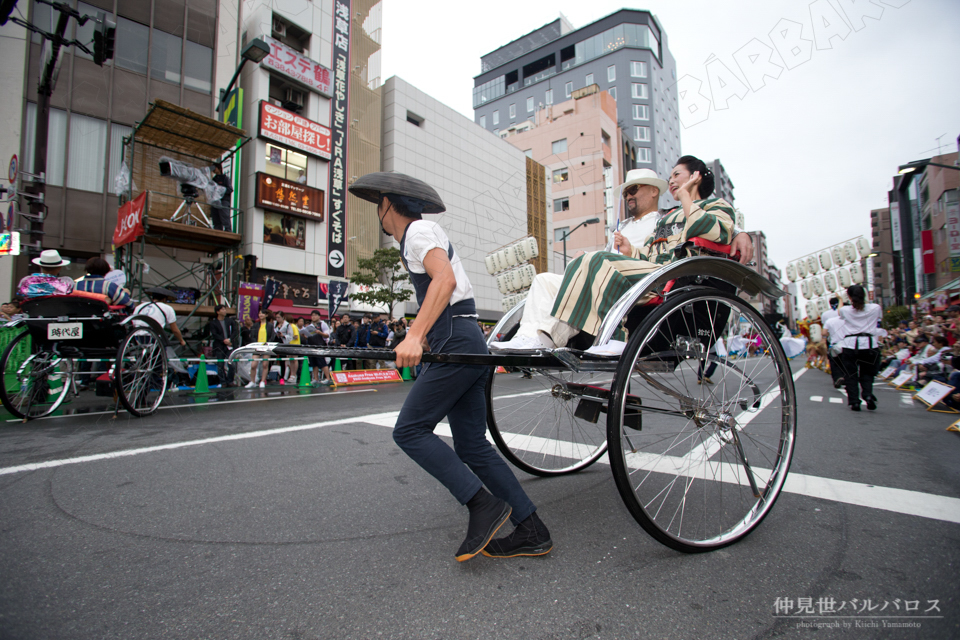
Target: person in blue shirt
{"points": [[93, 282]]}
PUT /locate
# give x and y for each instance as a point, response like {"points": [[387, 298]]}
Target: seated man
{"points": [[48, 282], [97, 268], [595, 281]]}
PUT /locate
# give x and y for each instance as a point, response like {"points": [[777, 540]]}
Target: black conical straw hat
{"points": [[371, 186]]}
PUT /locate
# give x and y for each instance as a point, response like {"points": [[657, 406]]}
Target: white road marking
{"points": [[816, 398], [906, 399], [914, 503], [836, 400], [216, 403]]}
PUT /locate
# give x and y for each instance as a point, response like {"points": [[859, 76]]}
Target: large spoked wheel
{"points": [[551, 423], [141, 371], [700, 465], [34, 384]]}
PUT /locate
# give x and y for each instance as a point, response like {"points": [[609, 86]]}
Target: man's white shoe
{"points": [[522, 343], [612, 348], [262, 384], [250, 385]]}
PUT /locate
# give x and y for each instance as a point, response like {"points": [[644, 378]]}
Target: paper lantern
{"points": [[817, 283], [510, 253], [863, 247], [856, 273], [812, 265], [837, 254], [850, 251], [791, 272], [843, 277], [527, 272], [825, 261], [805, 289], [491, 264], [530, 248], [813, 313], [830, 281], [822, 305], [503, 284], [816, 331], [801, 268]]}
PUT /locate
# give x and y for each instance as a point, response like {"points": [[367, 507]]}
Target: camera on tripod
{"points": [[191, 180]]}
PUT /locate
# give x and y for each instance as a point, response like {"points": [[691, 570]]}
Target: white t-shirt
{"points": [[862, 321], [423, 236], [159, 311], [636, 231]]}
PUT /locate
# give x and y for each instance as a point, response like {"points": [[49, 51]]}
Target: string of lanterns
{"points": [[841, 268], [513, 274]]}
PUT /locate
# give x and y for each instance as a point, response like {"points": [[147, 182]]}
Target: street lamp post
{"points": [[255, 51], [568, 233], [897, 285]]}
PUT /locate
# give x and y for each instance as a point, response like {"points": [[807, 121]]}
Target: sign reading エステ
{"points": [[297, 66], [130, 221], [290, 129]]}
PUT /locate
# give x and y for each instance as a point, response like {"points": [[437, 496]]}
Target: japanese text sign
{"points": [[290, 129], [336, 225], [297, 66], [284, 196]]}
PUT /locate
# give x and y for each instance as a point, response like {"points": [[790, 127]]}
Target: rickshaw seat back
{"points": [[97, 332]]}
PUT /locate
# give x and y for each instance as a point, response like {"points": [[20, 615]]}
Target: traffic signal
{"points": [[6, 8], [104, 39]]}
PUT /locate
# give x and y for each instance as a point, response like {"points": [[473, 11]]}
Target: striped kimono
{"points": [[594, 282]]}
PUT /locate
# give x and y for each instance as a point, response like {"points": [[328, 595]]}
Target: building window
{"points": [[589, 80], [643, 154], [414, 119], [568, 89], [641, 134], [638, 69], [613, 92], [286, 164], [165, 56], [56, 143], [558, 234], [513, 111], [561, 175], [641, 112], [639, 90], [559, 146], [496, 117], [483, 121], [548, 98], [131, 45], [117, 133], [529, 105], [561, 204], [197, 67], [611, 73], [88, 143]]}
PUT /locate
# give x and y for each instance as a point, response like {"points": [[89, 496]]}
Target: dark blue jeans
{"points": [[456, 391]]}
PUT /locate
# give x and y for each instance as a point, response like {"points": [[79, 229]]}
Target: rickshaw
{"points": [[698, 461], [39, 368]]}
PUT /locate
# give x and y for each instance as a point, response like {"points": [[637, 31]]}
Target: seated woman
{"points": [[594, 282]]}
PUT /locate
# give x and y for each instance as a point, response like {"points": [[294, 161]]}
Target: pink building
{"points": [[578, 141]]}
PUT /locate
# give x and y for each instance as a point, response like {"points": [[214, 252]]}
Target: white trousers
{"points": [[536, 311]]}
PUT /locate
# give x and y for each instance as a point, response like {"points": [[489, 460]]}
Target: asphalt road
{"points": [[297, 517]]}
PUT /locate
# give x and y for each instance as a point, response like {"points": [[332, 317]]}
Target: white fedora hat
{"points": [[644, 176], [50, 258]]}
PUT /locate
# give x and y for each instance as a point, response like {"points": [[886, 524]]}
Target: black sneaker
{"points": [[855, 407], [872, 403], [530, 538], [487, 515]]}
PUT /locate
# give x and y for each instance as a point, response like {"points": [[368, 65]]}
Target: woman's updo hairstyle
{"points": [[707, 181], [857, 296]]}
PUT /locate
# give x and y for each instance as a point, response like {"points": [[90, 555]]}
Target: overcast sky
{"points": [[810, 153]]}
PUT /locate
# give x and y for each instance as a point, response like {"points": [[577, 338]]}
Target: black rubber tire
{"points": [[37, 382], [141, 388]]}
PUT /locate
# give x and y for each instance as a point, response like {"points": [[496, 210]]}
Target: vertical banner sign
{"points": [[895, 226], [337, 221], [953, 228], [336, 291], [250, 294], [926, 246], [233, 115]]}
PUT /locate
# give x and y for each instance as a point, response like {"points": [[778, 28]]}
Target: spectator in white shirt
{"points": [[861, 347]]}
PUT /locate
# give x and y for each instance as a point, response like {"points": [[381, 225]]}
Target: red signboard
{"points": [[299, 67], [130, 221], [290, 129], [284, 196], [926, 247], [366, 376]]}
